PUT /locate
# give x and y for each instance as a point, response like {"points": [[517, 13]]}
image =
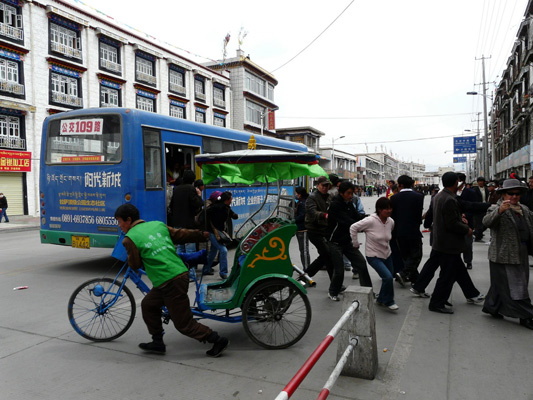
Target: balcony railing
{"points": [[141, 76], [67, 99], [111, 66], [108, 105], [65, 50], [177, 88], [199, 95], [11, 31], [219, 103], [12, 143], [11, 87]]}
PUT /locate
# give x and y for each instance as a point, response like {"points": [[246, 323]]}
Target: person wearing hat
{"points": [[482, 194], [494, 195], [511, 229], [316, 223]]}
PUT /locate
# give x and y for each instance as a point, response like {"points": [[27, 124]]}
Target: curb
{"points": [[19, 228]]}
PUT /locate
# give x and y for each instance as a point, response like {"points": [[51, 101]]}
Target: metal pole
{"points": [[332, 155], [486, 173]]}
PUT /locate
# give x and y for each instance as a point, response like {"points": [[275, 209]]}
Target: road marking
{"points": [[402, 350]]}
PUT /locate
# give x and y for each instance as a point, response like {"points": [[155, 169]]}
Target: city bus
{"points": [[93, 160]]}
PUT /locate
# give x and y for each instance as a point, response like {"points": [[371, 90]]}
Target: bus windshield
{"points": [[87, 139]]}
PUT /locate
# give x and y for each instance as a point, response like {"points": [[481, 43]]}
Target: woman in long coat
{"points": [[511, 229]]}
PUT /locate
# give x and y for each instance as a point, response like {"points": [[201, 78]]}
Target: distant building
{"points": [[252, 90], [306, 135]]}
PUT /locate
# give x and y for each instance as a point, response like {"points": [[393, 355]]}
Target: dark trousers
{"points": [[479, 227], [358, 264], [468, 254], [173, 295], [411, 252], [428, 272], [303, 244], [321, 244], [397, 261]]}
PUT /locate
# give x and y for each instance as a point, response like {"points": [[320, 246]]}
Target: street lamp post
{"points": [[333, 153]]}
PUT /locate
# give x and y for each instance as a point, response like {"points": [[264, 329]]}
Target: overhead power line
{"points": [[399, 140], [314, 40], [381, 117]]}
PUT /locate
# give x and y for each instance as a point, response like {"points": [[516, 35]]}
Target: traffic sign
{"points": [[464, 145], [459, 160]]}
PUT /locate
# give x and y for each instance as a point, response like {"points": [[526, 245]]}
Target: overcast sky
{"points": [[386, 73]]}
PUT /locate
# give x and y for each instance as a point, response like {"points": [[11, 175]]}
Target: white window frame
{"points": [[146, 104], [64, 84], [217, 121], [112, 96], [253, 113], [177, 78], [199, 86], [199, 116], [9, 126], [255, 84], [9, 71], [144, 66], [177, 111]]}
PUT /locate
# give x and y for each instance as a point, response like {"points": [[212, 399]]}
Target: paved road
{"points": [[429, 356]]}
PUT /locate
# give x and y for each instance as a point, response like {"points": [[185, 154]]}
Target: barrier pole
{"points": [[293, 384], [324, 393]]}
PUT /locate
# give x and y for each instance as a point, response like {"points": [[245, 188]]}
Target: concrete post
{"points": [[363, 362]]}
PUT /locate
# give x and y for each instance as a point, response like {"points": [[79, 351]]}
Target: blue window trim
{"points": [[178, 103], [64, 22]]}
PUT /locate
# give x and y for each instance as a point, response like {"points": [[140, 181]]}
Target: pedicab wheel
{"points": [[98, 312], [276, 314]]}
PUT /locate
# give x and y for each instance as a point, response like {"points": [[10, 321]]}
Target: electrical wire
{"points": [[382, 117], [321, 33], [400, 140]]}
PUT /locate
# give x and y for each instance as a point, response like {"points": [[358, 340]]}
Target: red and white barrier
{"points": [[315, 356]]}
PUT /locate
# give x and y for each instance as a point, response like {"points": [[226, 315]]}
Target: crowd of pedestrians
{"points": [[459, 215]]}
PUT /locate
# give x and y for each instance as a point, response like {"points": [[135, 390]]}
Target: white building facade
{"points": [[56, 56]]}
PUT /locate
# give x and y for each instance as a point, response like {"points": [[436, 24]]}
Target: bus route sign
{"points": [[464, 145]]}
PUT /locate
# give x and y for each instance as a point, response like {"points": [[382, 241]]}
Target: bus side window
{"points": [[153, 166]]}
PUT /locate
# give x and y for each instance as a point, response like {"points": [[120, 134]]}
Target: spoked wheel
{"points": [[98, 312], [276, 314]]}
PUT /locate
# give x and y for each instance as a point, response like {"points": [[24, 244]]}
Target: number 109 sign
{"points": [[92, 126]]}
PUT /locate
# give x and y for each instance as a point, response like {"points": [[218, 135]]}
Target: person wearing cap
{"points": [[511, 230], [494, 195], [335, 182], [482, 194], [316, 223]]}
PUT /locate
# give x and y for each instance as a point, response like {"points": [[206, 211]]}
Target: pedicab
{"points": [[264, 290]]}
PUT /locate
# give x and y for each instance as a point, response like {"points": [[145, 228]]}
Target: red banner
{"points": [[271, 121], [15, 161]]}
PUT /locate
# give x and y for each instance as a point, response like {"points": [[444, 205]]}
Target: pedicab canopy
{"points": [[249, 166]]}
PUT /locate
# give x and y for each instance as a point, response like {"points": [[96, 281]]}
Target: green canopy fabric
{"points": [[251, 166]]}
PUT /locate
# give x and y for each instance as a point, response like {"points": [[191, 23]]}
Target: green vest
{"points": [[157, 251]]}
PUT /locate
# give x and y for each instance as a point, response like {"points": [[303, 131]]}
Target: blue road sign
{"points": [[464, 145], [459, 160]]}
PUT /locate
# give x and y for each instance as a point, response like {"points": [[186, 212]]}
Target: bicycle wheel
{"points": [[276, 314], [98, 312]]}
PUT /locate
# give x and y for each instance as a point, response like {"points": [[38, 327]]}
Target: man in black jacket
{"points": [[316, 223], [449, 230], [341, 215], [407, 207], [482, 195], [186, 202]]}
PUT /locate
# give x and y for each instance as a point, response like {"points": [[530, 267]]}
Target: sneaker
{"points": [[400, 280], [153, 347], [476, 300], [392, 307], [223, 276], [355, 275], [333, 298], [218, 347], [419, 294]]}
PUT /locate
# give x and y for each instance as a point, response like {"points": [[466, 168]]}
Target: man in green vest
{"points": [[151, 245]]}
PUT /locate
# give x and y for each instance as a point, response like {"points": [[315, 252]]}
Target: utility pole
{"points": [[486, 171]]}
